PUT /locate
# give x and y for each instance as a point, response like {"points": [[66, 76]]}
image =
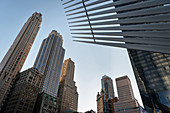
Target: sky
{"points": [[91, 61]]}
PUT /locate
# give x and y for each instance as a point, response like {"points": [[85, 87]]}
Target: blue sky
{"points": [[91, 61]]}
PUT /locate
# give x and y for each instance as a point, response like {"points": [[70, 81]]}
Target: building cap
{"points": [[56, 34], [98, 94], [38, 15], [102, 90], [69, 59], [105, 76], [123, 77]]}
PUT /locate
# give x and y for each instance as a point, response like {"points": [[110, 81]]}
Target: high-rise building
{"points": [[68, 95], [24, 93], [46, 103], [106, 99], [17, 53], [107, 86], [49, 62], [127, 103], [152, 75], [143, 26]]}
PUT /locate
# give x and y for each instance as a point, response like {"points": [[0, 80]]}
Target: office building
{"points": [[106, 99], [110, 103], [127, 103], [46, 104], [17, 53], [107, 86], [49, 62], [152, 75], [143, 27], [68, 95], [24, 93]]}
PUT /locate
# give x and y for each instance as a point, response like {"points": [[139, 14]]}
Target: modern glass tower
{"points": [[17, 53], [105, 100], [49, 61], [152, 72], [143, 27], [107, 86]]}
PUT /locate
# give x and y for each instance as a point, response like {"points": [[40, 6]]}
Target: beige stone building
{"points": [[68, 95], [100, 100], [127, 103], [17, 53]]}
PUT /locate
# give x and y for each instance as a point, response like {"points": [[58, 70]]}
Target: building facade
{"points": [[24, 93], [100, 100], [152, 74], [49, 62], [46, 104], [17, 53], [127, 103], [107, 86], [106, 99], [68, 95]]}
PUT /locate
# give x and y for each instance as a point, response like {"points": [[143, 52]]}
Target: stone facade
{"points": [[46, 104], [100, 100], [24, 93], [108, 103], [68, 95], [17, 53]]}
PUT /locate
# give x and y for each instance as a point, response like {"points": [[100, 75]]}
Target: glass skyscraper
{"points": [[49, 61], [152, 72], [108, 94], [107, 86], [17, 54]]}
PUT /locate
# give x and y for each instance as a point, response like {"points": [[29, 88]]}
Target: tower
{"points": [[68, 95], [152, 75], [105, 101], [49, 62], [17, 53], [107, 86], [127, 102], [100, 100]]}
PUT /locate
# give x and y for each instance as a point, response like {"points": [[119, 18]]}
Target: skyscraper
{"points": [[143, 26], [127, 103], [105, 100], [17, 53], [68, 95], [152, 75], [107, 86], [49, 62]]}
